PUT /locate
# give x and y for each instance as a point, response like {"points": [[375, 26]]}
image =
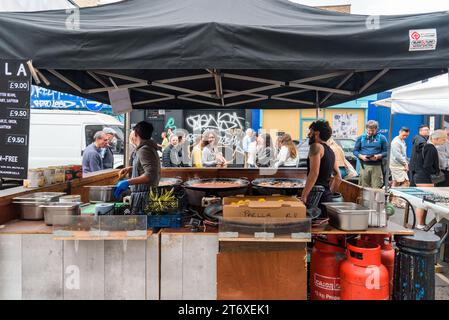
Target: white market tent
{"points": [[428, 98]]}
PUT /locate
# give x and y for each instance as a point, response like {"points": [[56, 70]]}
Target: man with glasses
{"points": [[92, 159]]}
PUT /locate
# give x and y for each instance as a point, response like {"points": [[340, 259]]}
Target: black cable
{"points": [[413, 210]]}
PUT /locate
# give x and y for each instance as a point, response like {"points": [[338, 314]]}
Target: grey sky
{"points": [[383, 7]]}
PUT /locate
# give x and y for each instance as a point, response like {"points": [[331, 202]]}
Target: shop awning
{"points": [[220, 54]]}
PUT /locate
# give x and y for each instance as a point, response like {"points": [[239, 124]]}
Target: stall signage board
{"points": [[15, 82]]}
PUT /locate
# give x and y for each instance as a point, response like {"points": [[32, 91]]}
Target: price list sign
{"points": [[15, 82]]}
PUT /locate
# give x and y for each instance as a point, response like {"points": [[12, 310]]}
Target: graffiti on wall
{"points": [[170, 124], [42, 98], [228, 125]]}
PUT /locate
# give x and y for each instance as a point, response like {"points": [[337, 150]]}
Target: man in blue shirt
{"points": [[92, 160], [371, 148]]}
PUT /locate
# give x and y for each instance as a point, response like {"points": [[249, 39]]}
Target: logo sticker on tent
{"points": [[423, 39]]}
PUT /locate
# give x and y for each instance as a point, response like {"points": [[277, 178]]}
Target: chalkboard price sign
{"points": [[15, 83]]}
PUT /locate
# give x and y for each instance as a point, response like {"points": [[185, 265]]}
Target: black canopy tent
{"points": [[219, 54]]}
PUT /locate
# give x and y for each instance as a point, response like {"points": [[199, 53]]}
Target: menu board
{"points": [[15, 82]]}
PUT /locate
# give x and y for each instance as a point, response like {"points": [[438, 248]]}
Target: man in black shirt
{"points": [[321, 162], [418, 144]]}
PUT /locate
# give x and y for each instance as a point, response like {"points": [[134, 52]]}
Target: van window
{"points": [[118, 147]]}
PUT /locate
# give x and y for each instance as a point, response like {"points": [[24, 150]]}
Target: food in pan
{"points": [[216, 184], [281, 184]]}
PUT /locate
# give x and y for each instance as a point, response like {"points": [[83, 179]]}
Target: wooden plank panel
{"points": [[391, 229], [41, 267], [171, 266], [199, 272], [125, 270], [262, 275], [10, 267], [83, 270], [26, 227], [153, 267]]}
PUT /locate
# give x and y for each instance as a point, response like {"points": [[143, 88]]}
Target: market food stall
{"points": [[266, 54]]}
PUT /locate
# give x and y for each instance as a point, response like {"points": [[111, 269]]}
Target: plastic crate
{"points": [[164, 221]]}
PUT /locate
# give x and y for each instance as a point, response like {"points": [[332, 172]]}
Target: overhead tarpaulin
{"points": [[427, 101], [233, 53]]}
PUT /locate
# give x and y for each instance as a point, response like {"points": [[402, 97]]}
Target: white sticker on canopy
{"points": [[423, 39]]}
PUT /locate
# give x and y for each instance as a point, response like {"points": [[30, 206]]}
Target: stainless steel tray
{"points": [[348, 216], [40, 196], [56, 208]]}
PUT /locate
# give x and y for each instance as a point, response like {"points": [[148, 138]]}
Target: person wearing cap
{"points": [[107, 154]]}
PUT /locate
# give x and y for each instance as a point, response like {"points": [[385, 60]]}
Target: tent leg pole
{"points": [[387, 169], [317, 105], [127, 125]]}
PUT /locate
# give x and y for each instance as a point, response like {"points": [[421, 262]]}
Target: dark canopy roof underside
{"points": [[218, 54]]}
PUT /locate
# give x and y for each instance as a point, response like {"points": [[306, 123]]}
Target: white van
{"points": [[59, 137]]}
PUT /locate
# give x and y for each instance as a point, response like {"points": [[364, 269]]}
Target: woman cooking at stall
{"points": [[145, 170], [321, 163]]}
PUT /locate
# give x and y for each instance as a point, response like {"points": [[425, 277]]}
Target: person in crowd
{"points": [[418, 143], [443, 154], [92, 159], [132, 146], [184, 155], [211, 157], [427, 169], [170, 155], [252, 153], [339, 156], [247, 139], [399, 164], [107, 153], [278, 144], [265, 153], [288, 155], [321, 164], [371, 148], [145, 171], [197, 152], [169, 133], [164, 142]]}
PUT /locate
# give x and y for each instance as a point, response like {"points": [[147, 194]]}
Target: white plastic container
{"points": [[73, 198], [36, 178]]}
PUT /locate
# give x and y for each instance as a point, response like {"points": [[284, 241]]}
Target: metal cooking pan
{"points": [[277, 186], [195, 184], [196, 192]]}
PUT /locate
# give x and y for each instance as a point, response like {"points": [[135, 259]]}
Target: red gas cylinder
{"points": [[387, 255], [325, 269], [362, 275]]}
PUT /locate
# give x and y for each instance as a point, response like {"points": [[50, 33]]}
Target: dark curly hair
{"points": [[323, 127], [144, 130]]}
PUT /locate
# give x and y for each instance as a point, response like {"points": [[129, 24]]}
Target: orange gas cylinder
{"points": [[386, 255], [325, 269], [362, 275]]}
